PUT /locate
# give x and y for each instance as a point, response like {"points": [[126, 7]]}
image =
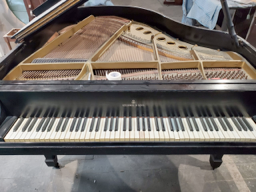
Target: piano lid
{"points": [[48, 15]]}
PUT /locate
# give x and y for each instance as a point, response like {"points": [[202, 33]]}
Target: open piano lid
{"points": [[45, 17]]}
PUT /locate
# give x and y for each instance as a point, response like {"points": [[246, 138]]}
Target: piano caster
{"points": [[216, 160], [52, 161]]}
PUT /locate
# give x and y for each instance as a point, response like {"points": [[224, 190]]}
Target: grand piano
{"points": [[183, 90]]}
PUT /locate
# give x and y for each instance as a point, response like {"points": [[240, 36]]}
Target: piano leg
{"points": [[216, 160], [52, 161]]}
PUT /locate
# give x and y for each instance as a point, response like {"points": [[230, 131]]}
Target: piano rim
{"points": [[127, 86], [126, 148]]}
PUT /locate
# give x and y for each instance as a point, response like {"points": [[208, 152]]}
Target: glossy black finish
{"points": [[43, 7], [127, 148], [215, 160]]}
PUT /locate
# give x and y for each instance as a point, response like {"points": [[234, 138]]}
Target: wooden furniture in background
{"points": [[7, 37], [173, 2]]}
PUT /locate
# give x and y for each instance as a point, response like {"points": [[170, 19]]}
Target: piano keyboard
{"points": [[118, 129]]}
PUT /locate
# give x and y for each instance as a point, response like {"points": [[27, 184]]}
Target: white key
{"points": [[175, 132], [141, 132], [45, 126], [136, 132], [113, 132], [251, 122], [151, 133], [23, 134], [100, 135], [220, 134], [214, 132], [132, 132], [37, 134], [19, 131], [224, 133], [180, 132], [119, 130], [161, 133], [146, 132], [56, 135], [88, 133], [108, 132], [30, 133], [210, 133], [186, 132], [11, 134], [199, 135], [167, 125], [93, 132], [66, 131], [86, 125], [153, 127], [54, 132], [74, 132], [243, 134], [127, 132], [202, 131], [54, 125]]}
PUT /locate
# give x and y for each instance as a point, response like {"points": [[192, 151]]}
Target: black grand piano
{"points": [[177, 89]]}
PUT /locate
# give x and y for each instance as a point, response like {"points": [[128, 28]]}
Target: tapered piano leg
{"points": [[52, 161], [216, 160]]}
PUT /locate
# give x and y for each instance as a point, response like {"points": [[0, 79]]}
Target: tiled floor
{"points": [[191, 173]]}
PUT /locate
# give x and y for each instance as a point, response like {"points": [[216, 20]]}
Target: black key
{"points": [[203, 124], [247, 124], [143, 124], [84, 124], [223, 125], [51, 125], [18, 124], [195, 124], [26, 124], [106, 124], [32, 124], [176, 124], [46, 122], [209, 124], [124, 124], [228, 124], [162, 123], [64, 126], [59, 124], [40, 124], [238, 126], [78, 124], [156, 123], [138, 124], [72, 127], [117, 123], [130, 124], [92, 124], [181, 124], [149, 126], [98, 124], [189, 124], [170, 123], [214, 124], [111, 124], [243, 125]]}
